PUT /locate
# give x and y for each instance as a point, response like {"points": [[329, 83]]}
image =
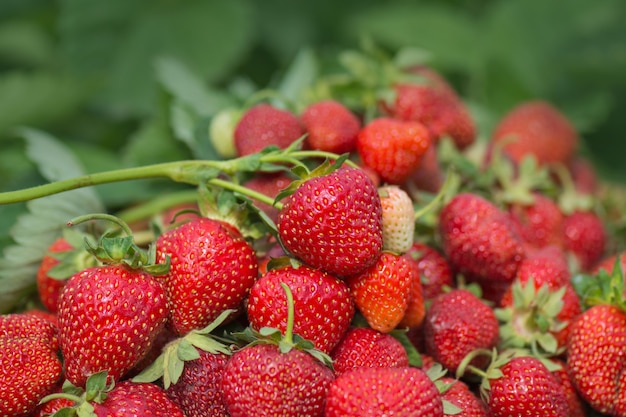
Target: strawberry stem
{"points": [[288, 337], [100, 216]]}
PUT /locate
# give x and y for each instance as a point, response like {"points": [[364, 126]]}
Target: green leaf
{"points": [[153, 372], [300, 76], [185, 351], [25, 42], [415, 359]]}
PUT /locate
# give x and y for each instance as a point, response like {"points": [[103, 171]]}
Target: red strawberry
{"points": [[457, 323], [479, 240], [416, 309], [585, 238], [546, 265], [374, 392], [435, 271], [524, 387], [536, 128], [264, 125], [574, 402], [429, 176], [212, 270], [398, 219], [597, 357], [137, 399], [539, 223], [459, 394], [29, 370], [330, 126], [50, 288], [24, 325], [382, 292], [109, 317], [334, 222], [365, 347], [323, 305], [608, 263], [393, 148], [435, 104], [198, 392], [270, 185], [50, 407]]}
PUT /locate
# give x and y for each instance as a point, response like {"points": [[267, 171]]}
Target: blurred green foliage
{"points": [[126, 82]]}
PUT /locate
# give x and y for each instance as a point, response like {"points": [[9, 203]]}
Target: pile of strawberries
{"points": [[407, 269]]}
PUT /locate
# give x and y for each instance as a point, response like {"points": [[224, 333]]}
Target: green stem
{"points": [[101, 216], [290, 314], [158, 205], [245, 191]]}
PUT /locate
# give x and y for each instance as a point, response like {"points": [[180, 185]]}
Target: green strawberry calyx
{"points": [[602, 288], [95, 391], [285, 342]]}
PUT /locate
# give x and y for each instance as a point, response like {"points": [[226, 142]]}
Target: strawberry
{"points": [[109, 317], [25, 325], [416, 309], [457, 323], [393, 148], [323, 305], [435, 271], [129, 398], [275, 375], [365, 347], [334, 222], [270, 185], [459, 394], [585, 238], [597, 356], [539, 223], [212, 270], [608, 263], [536, 128], [330, 126], [382, 292], [398, 219], [546, 265], [50, 288], [435, 104], [264, 125], [429, 175], [479, 240], [29, 370], [523, 386], [374, 392], [574, 402]]}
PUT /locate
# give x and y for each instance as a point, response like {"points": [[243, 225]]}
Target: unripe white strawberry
{"points": [[398, 219]]}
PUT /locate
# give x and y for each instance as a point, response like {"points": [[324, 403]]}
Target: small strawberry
{"points": [[270, 185], [546, 265], [536, 128], [398, 219], [334, 222], [276, 375], [585, 238], [429, 175], [459, 394], [212, 269], [457, 323], [323, 306], [393, 148], [435, 271], [479, 239], [382, 292], [264, 125], [29, 370], [539, 223], [374, 392], [330, 126], [365, 347]]}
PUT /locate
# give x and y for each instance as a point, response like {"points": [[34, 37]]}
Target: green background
{"points": [[98, 75]]}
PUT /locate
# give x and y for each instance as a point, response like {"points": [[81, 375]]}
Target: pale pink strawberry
{"points": [[398, 219]]}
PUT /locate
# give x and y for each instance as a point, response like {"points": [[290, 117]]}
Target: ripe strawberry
{"points": [[49, 408], [435, 271], [137, 399], [435, 104], [212, 270], [596, 358], [47, 287], [382, 292], [429, 176], [109, 317], [393, 148], [546, 265], [330, 126], [264, 125], [416, 309], [524, 387], [398, 219], [479, 240], [459, 394], [457, 323], [198, 392], [323, 305], [373, 392], [270, 185], [334, 222], [574, 402], [536, 128], [365, 347], [539, 223], [608, 263], [585, 238], [24, 325], [29, 370]]}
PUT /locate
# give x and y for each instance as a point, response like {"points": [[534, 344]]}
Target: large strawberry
{"points": [[334, 222], [277, 375], [323, 306], [374, 392], [330, 126], [393, 148], [479, 240], [29, 370], [457, 323], [212, 270], [539, 129], [365, 347], [382, 292]]}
